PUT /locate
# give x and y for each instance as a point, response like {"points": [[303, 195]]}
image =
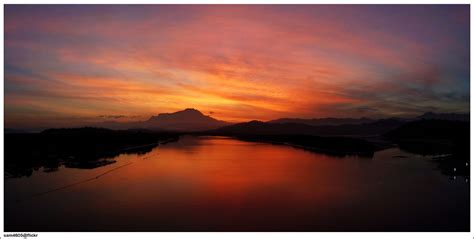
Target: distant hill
{"points": [[189, 120], [322, 121], [377, 127], [264, 128], [192, 120], [185, 120], [342, 121], [444, 116], [14, 131], [297, 135]]}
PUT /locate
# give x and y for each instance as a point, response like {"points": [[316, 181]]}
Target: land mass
{"points": [[443, 135], [75, 148], [188, 120]]}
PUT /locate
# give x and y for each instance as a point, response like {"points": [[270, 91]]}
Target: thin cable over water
{"points": [[74, 184]]}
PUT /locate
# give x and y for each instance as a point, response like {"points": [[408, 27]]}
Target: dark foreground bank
{"points": [[75, 148]]}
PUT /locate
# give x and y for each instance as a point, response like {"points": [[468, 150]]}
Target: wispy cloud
{"points": [[241, 62]]}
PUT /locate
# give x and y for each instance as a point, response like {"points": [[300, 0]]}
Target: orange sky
{"points": [[72, 65]]}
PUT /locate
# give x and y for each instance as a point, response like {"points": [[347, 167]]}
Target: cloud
{"points": [[245, 62]]}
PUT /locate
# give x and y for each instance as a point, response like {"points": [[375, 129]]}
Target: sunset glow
{"points": [[74, 65]]}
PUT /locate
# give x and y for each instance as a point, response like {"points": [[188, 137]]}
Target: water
{"points": [[222, 184]]}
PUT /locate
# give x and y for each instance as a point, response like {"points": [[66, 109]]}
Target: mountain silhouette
{"points": [[185, 120], [364, 120], [264, 128], [192, 120], [323, 121], [82, 147], [444, 116], [189, 120]]}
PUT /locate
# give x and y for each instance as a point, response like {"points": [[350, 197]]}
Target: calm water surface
{"points": [[222, 184]]}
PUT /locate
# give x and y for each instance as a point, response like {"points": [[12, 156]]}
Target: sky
{"points": [[67, 65]]}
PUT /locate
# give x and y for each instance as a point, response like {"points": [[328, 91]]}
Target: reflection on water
{"points": [[222, 184]]}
